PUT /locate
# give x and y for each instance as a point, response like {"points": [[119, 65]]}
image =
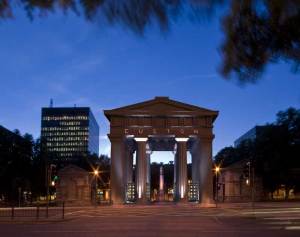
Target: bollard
{"points": [[12, 212], [47, 208], [37, 211], [63, 210]]}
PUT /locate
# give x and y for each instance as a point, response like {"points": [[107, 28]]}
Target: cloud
{"points": [[103, 137], [191, 77], [60, 78], [105, 150]]}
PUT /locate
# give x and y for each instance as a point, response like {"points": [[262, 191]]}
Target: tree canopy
{"points": [[256, 32], [274, 152]]}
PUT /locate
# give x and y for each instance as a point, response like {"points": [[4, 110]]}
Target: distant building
{"points": [[74, 186], [69, 134], [249, 135], [235, 183]]}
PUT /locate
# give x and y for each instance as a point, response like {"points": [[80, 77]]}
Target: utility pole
{"points": [[19, 193], [217, 170], [47, 182], [96, 174], [253, 186]]}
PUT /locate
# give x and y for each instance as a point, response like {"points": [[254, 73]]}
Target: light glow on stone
{"points": [[182, 194], [181, 139], [141, 139], [140, 192]]}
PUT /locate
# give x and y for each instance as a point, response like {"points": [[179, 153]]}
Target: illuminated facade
{"points": [[69, 133], [161, 124]]}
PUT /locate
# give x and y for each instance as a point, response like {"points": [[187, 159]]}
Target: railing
{"points": [[35, 212]]}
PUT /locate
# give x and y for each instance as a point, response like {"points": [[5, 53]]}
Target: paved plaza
{"points": [[163, 220]]}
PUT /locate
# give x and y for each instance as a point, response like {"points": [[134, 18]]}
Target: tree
{"points": [[15, 164], [274, 152], [256, 32], [226, 156]]}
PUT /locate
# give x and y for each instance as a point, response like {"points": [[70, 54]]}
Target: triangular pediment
{"points": [[162, 106], [158, 106]]}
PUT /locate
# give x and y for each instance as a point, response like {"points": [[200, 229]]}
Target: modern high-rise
{"points": [[69, 133], [251, 134]]}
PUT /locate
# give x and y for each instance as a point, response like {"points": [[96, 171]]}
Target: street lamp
{"points": [[96, 173], [217, 171]]}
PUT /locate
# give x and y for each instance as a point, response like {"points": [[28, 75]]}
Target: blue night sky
{"points": [[89, 64]]}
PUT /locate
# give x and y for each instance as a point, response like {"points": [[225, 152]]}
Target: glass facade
{"points": [[69, 133]]}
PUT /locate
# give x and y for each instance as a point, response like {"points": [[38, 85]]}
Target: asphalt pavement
{"points": [[163, 220]]}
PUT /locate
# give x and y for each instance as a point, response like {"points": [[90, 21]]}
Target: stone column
{"points": [[148, 159], [148, 154], [206, 171], [141, 170], [117, 171], [129, 164], [175, 168], [181, 170], [195, 165]]}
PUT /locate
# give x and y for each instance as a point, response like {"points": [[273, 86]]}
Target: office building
{"points": [[68, 134]]}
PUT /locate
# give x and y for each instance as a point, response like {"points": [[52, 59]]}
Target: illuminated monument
{"points": [[161, 124], [161, 196]]}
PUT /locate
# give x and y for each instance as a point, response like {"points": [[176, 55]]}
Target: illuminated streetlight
{"points": [[217, 170], [96, 172]]}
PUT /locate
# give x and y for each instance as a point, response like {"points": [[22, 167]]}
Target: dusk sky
{"points": [[103, 67]]}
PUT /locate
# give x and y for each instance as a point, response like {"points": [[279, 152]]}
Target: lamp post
{"points": [[217, 170], [96, 173]]}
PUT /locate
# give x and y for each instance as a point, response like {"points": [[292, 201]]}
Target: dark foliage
{"points": [[260, 32], [16, 155], [257, 32]]}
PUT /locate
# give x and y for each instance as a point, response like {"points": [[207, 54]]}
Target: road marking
{"points": [[282, 218], [292, 227], [271, 212]]}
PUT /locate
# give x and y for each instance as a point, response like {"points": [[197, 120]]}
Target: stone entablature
{"points": [[163, 117]]}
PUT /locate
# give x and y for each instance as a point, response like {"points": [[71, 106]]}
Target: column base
{"points": [[182, 200], [142, 201], [208, 203]]}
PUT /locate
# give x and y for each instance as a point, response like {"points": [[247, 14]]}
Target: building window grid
{"points": [[67, 135]]}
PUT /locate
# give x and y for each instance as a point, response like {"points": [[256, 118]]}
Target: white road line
{"points": [[283, 218], [292, 227]]}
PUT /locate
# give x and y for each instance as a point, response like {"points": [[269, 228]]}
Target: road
{"points": [[162, 220]]}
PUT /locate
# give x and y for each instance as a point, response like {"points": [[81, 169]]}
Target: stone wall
{"points": [[74, 186]]}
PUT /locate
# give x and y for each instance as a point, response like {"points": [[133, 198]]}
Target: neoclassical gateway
{"points": [[161, 124]]}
